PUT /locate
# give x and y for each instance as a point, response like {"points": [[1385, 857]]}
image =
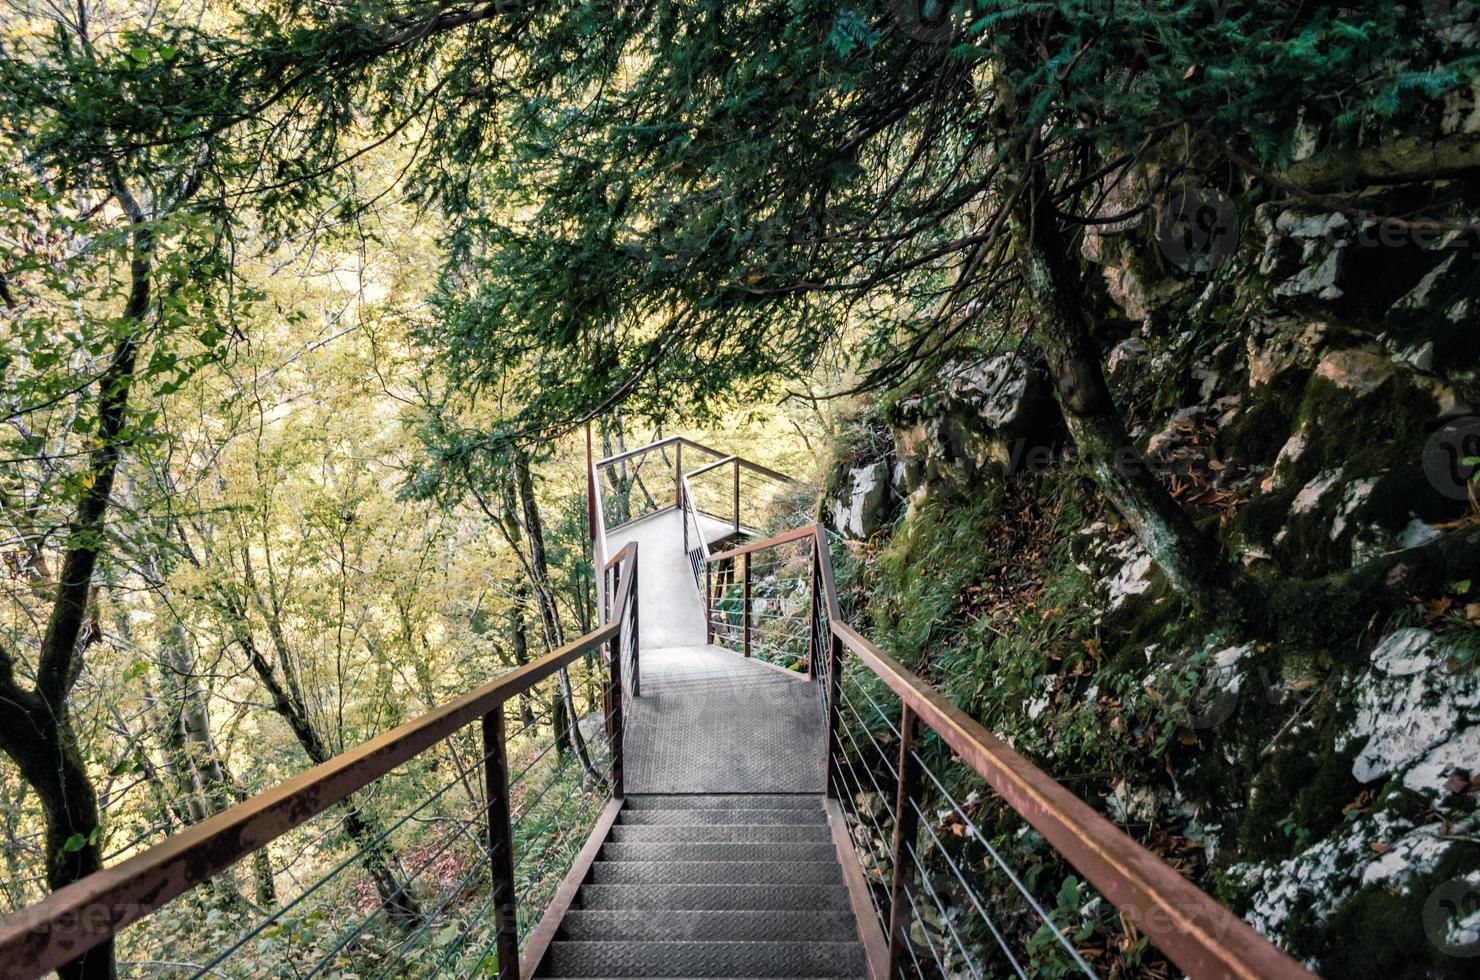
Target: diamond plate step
{"points": [[639, 817], [716, 873], [641, 925], [719, 833], [738, 801], [711, 897], [822, 850], [704, 959]]}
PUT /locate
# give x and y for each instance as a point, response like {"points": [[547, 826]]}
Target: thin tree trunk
{"points": [[39, 735], [376, 855], [519, 642], [218, 790], [545, 601], [1191, 562]]}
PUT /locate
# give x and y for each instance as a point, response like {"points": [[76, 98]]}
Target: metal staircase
{"points": [[766, 794], [745, 885]]}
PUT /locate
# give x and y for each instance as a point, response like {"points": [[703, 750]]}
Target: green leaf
{"points": [[1069, 893], [75, 843]]}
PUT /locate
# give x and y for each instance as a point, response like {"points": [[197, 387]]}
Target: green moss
{"points": [[1297, 798], [1266, 418], [1381, 933]]}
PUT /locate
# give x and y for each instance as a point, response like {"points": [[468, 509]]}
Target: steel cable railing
{"points": [[911, 775], [404, 882]]}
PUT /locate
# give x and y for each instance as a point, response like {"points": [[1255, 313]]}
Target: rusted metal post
{"points": [[745, 613], [814, 653], [501, 844], [906, 827], [737, 495], [834, 685], [612, 708], [636, 634], [590, 487]]}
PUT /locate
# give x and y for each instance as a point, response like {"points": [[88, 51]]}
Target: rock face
{"points": [[862, 490], [1419, 719], [861, 504], [975, 420], [1311, 405]]}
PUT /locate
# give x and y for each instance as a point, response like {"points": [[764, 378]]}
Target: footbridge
{"points": [[741, 785]]}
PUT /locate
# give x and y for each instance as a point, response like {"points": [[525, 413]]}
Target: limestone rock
{"points": [[859, 503], [1420, 722], [976, 420], [1359, 371], [1305, 254]]}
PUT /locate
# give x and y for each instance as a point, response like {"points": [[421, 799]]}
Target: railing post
{"points": [[708, 605], [814, 654], [590, 487], [612, 707], [678, 479], [745, 613], [834, 686], [906, 827], [636, 632], [737, 495], [501, 844]]}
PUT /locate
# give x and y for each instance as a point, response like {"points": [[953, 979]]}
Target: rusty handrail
{"points": [[785, 537], [1198, 934], [683, 440], [722, 461], [71, 920], [596, 519]]}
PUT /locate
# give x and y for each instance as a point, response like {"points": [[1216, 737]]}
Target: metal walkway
{"points": [[721, 861], [709, 720]]}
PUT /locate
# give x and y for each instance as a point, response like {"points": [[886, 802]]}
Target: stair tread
{"points": [[738, 832], [701, 897], [637, 817], [704, 959], [716, 872], [818, 850], [732, 925], [736, 801]]}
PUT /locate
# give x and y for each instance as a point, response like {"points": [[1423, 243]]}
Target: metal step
{"points": [[703, 959], [719, 833], [732, 925], [821, 850], [737, 801], [713, 897], [640, 817], [716, 873]]}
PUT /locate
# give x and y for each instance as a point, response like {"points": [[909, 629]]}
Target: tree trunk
{"points": [[40, 737], [519, 641], [44, 748], [1191, 562], [376, 855], [189, 722], [545, 602]]}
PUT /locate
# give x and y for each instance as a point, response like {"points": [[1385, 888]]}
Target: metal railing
{"points": [[720, 501], [423, 865], [930, 796]]}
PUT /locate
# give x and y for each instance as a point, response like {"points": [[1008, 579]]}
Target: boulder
{"points": [[1305, 253], [975, 420], [860, 500], [1417, 720]]}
